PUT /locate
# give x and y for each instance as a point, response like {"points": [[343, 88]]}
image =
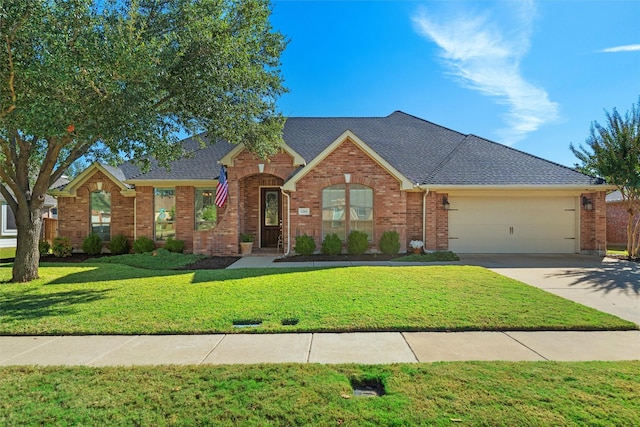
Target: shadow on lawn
{"points": [[621, 277], [26, 305], [97, 272], [108, 272]]}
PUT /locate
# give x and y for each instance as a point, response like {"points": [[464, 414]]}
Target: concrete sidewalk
{"points": [[329, 348]]}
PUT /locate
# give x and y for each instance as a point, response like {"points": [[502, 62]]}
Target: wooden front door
{"points": [[270, 217]]}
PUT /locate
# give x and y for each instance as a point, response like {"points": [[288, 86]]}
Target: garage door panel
{"points": [[512, 225]]}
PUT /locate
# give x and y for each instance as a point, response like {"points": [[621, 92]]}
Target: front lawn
{"points": [[119, 299], [438, 394], [7, 253]]}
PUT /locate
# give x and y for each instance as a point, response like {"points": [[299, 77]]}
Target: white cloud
{"points": [[485, 53], [625, 48]]}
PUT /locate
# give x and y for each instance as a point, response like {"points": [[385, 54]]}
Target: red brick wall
{"points": [[74, 215], [389, 203], [241, 212], [144, 212], [617, 220], [593, 223]]}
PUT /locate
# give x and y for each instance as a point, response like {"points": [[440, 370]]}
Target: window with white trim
{"points": [[101, 214], [9, 227], [345, 208]]}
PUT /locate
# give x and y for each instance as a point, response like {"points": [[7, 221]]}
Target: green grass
{"points": [[7, 253], [622, 252], [160, 259], [438, 394], [118, 299]]}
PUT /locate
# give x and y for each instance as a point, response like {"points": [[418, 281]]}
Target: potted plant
{"points": [[246, 243], [416, 246]]}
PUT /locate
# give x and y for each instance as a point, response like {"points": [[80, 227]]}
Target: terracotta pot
{"points": [[416, 250], [246, 248]]}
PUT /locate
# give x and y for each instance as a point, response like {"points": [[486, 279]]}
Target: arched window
{"points": [[345, 208], [101, 214]]}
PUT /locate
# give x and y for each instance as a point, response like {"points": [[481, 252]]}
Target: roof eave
{"points": [[571, 187]]}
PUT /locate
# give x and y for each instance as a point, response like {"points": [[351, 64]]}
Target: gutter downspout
{"points": [[424, 216], [288, 222]]}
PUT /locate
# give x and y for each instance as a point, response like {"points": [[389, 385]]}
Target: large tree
{"points": [[613, 153], [117, 79]]}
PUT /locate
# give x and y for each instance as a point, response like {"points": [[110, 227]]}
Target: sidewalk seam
{"points": [[212, 350], [310, 346], [415, 356], [112, 350], [54, 338], [525, 346]]}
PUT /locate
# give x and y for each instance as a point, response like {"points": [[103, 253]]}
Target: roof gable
{"points": [[228, 159], [114, 174], [348, 135]]}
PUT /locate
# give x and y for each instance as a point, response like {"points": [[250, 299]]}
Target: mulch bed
{"points": [[341, 257]]}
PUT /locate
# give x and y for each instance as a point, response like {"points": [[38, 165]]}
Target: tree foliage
{"points": [[613, 153], [118, 79]]}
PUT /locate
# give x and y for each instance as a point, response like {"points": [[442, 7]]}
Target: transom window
{"points": [[345, 208], [101, 214], [164, 202], [205, 209]]}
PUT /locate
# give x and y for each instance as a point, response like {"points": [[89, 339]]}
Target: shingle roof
{"points": [[613, 197], [199, 164], [424, 152]]}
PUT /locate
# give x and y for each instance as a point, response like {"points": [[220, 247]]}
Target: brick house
{"points": [[617, 220], [334, 175]]}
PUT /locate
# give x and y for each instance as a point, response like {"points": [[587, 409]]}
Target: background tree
{"points": [[118, 79], [613, 153]]}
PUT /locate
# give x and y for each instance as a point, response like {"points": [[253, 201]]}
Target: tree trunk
{"points": [[29, 225]]}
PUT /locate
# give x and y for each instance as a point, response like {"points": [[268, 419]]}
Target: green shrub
{"points": [[173, 245], [357, 243], [43, 248], [305, 245], [61, 247], [143, 244], [246, 237], [119, 245], [332, 245], [92, 244], [390, 243]]}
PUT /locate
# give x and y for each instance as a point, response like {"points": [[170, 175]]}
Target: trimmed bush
{"points": [[332, 245], [119, 245], [357, 243], [305, 245], [389, 243], [173, 245], [143, 244], [43, 248], [92, 244], [61, 247]]}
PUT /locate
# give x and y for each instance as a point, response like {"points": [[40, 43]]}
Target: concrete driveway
{"points": [[606, 284]]}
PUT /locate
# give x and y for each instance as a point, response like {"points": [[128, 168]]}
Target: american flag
{"points": [[222, 190]]}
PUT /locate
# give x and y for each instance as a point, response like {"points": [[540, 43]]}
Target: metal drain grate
{"points": [[247, 323], [370, 387]]}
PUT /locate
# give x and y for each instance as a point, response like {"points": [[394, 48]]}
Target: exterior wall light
{"points": [[587, 204], [445, 203]]}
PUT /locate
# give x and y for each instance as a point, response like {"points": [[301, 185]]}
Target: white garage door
{"points": [[513, 225]]}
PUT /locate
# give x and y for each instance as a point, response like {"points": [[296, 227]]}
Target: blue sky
{"points": [[529, 74]]}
